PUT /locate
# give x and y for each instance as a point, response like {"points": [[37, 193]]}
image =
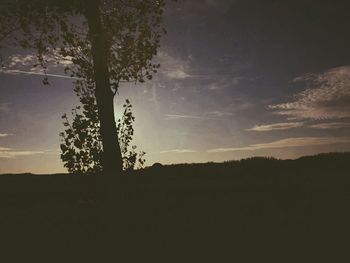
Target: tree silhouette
{"points": [[81, 140], [107, 41], [125, 129]]}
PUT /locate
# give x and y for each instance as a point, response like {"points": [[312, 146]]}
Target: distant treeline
{"points": [[324, 169], [320, 171]]}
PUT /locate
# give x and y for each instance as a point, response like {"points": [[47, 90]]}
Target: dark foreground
{"points": [[256, 209]]}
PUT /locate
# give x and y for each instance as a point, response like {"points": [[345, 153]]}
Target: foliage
{"points": [[125, 134], [81, 144], [58, 29]]}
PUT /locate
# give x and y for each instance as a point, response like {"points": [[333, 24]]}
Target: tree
{"points": [[107, 41], [81, 140]]}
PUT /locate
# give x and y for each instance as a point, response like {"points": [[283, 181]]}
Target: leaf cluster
{"points": [[81, 144], [125, 130]]}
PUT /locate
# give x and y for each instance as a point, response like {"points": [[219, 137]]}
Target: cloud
{"points": [[173, 67], [177, 74], [14, 154], [179, 151], [30, 60], [4, 107], [210, 2], [327, 96], [28, 64], [5, 134], [285, 143], [291, 125], [38, 73], [239, 104], [223, 81], [276, 126], [330, 125], [17, 60], [4, 149], [220, 114], [10, 153], [177, 116]]}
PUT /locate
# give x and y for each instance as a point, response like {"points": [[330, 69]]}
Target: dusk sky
{"points": [[238, 78]]}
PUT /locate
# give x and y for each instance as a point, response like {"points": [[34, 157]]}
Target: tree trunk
{"points": [[111, 216], [112, 159]]}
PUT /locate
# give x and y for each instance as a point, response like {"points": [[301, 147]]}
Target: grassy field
{"points": [[233, 206]]}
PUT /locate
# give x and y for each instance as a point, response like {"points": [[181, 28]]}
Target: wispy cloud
{"points": [[177, 74], [4, 107], [219, 114], [22, 61], [292, 125], [6, 134], [223, 81], [38, 73], [11, 153], [30, 60], [276, 126], [173, 67], [179, 151], [178, 116], [285, 143], [28, 64], [327, 98], [14, 154], [330, 125], [4, 149], [239, 104]]}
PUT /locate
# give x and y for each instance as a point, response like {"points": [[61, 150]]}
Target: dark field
{"points": [[256, 207]]}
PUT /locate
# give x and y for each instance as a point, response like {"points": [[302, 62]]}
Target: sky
{"points": [[238, 78]]}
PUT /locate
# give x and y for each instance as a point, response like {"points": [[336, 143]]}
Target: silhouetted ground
{"points": [[255, 207]]}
